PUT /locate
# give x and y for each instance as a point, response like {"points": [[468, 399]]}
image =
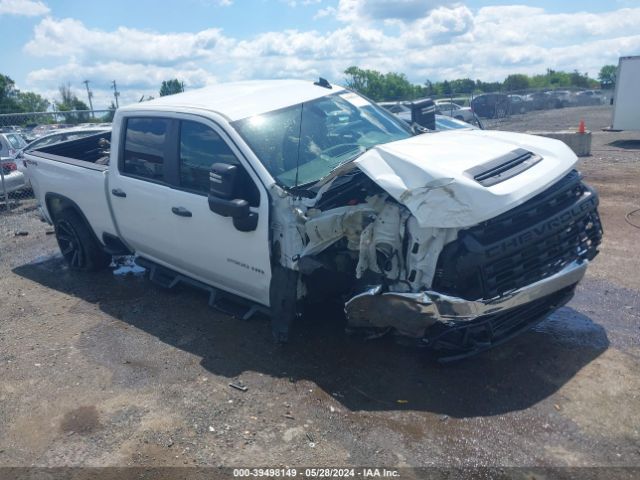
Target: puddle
{"points": [[83, 420]]}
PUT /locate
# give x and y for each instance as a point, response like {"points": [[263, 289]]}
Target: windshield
{"points": [[303, 143], [448, 123]]}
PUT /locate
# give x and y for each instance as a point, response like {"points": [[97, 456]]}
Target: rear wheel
{"points": [[77, 243]]}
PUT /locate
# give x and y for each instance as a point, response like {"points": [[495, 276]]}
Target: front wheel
{"points": [[77, 243], [284, 301]]}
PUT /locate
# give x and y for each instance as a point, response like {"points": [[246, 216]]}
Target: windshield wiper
{"points": [[349, 160], [308, 187]]}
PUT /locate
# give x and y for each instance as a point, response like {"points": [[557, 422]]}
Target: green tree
{"points": [[462, 85], [607, 76], [170, 87], [367, 82], [488, 86], [381, 86], [68, 102], [32, 102], [8, 95], [578, 79], [516, 81], [428, 88]]}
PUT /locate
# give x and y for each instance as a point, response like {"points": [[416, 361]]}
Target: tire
{"points": [[284, 302], [78, 244]]}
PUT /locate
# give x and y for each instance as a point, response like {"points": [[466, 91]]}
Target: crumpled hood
{"points": [[426, 174]]}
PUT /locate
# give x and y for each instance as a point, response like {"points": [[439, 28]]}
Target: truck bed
{"points": [[75, 171], [85, 149]]}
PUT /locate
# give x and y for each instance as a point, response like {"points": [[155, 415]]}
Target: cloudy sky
{"points": [[141, 42]]}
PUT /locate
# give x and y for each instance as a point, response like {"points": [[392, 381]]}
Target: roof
{"points": [[238, 100]]}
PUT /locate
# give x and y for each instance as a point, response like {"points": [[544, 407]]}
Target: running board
{"points": [[222, 301]]}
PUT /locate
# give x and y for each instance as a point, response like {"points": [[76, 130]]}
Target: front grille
{"points": [[524, 245]]}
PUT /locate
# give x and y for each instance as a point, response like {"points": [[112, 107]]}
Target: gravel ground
{"points": [[104, 370]]}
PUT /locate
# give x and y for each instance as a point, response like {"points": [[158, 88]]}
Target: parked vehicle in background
{"points": [[421, 111], [399, 109], [444, 122], [445, 107], [491, 105], [539, 101], [519, 104], [64, 135], [42, 130], [11, 144], [11, 180], [561, 98], [626, 101], [286, 192], [589, 97]]}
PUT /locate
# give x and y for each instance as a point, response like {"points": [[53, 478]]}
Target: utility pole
{"points": [[90, 95], [116, 93]]}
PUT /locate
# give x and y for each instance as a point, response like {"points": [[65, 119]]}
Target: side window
{"points": [[201, 147], [145, 147]]}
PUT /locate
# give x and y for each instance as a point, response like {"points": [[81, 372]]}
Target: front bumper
{"points": [[413, 314]]}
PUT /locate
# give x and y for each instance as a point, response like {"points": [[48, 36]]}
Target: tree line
{"points": [[395, 86]]}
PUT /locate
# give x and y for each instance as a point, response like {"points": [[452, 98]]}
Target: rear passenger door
{"points": [[165, 216]]}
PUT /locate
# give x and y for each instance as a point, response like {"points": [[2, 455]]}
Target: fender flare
{"points": [[68, 203]]}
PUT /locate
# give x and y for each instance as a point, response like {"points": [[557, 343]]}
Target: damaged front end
{"points": [[443, 259]]}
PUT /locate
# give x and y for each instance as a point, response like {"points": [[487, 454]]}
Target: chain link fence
{"points": [[19, 214]]}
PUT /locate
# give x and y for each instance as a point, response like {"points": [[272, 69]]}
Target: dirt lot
{"points": [[102, 370]]}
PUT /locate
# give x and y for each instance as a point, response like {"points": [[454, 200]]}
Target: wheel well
{"points": [[57, 203]]}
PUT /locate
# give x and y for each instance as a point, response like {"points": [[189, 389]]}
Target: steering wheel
{"points": [[328, 151]]}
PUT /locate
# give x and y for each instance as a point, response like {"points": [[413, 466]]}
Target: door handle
{"points": [[118, 193], [181, 212]]}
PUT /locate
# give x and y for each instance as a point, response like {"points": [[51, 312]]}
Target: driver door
{"points": [[184, 234]]}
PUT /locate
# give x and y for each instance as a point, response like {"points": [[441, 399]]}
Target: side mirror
{"points": [[223, 180]]}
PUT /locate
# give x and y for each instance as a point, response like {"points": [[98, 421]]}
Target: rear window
{"points": [[145, 147], [16, 141]]}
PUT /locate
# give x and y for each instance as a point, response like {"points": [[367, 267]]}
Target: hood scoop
{"points": [[503, 167]]}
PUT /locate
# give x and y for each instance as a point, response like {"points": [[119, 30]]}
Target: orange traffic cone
{"points": [[581, 128]]}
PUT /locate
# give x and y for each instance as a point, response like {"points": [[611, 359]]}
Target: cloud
{"points": [[304, 3], [69, 37], [27, 8], [359, 10], [422, 39]]}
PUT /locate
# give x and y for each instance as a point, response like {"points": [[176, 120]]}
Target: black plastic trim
{"points": [[114, 246]]}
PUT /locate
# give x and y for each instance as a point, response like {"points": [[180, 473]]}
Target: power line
{"points": [[89, 94], [116, 93]]}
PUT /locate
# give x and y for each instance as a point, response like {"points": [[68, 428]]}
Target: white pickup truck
{"points": [[279, 192]]}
